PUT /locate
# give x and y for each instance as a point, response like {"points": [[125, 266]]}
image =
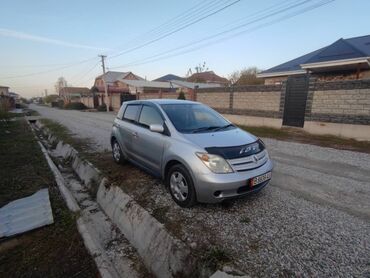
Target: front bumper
{"points": [[214, 188]]}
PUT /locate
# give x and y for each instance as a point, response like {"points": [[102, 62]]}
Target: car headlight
{"points": [[215, 163]]}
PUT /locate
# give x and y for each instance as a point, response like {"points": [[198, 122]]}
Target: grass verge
{"points": [[63, 133], [56, 250], [300, 136]]}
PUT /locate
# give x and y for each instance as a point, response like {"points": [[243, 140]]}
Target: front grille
{"points": [[249, 162]]}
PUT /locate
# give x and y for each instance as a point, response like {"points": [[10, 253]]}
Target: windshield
{"points": [[195, 118]]}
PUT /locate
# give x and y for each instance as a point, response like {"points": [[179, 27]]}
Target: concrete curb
{"points": [[162, 254], [105, 268], [165, 255], [67, 196]]}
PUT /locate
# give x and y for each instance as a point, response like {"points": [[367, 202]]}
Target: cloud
{"points": [[29, 37]]}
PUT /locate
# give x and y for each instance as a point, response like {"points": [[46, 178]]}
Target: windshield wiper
{"points": [[223, 127], [205, 128]]}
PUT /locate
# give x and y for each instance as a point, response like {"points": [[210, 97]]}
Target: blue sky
{"points": [[44, 36]]}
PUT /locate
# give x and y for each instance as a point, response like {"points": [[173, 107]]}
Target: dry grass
{"points": [[300, 136], [53, 251]]}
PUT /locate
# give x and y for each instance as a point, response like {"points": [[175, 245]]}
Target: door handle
{"points": [[134, 134]]}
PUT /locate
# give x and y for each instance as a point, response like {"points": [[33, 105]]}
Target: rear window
{"points": [[131, 112]]}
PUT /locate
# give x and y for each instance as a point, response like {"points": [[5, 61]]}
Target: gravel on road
{"points": [[313, 219]]}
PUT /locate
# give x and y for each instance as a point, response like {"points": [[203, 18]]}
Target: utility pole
{"points": [[105, 83]]}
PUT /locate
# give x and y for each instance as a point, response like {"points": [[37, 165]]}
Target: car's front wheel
{"points": [[181, 186], [117, 152]]}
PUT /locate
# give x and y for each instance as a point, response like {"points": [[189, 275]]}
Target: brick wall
{"points": [[262, 101], [252, 100], [340, 102], [215, 99]]}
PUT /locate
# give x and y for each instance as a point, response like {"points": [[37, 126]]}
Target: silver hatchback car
{"points": [[200, 155]]}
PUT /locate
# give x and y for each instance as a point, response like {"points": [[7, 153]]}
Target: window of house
{"points": [[150, 116]]}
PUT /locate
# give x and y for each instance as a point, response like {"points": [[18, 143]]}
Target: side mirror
{"points": [[156, 128]]}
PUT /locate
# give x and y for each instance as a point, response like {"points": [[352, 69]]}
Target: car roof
{"points": [[162, 101]]}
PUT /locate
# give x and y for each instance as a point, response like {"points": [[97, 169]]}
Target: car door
{"points": [[148, 145], [127, 127]]}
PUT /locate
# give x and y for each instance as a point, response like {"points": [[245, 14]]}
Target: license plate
{"points": [[260, 179]]}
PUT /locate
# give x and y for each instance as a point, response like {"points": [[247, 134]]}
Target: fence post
{"points": [[195, 93], [231, 99]]}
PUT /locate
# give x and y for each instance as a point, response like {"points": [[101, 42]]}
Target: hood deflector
{"points": [[237, 151]]}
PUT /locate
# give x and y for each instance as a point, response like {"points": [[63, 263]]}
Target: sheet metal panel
{"points": [[26, 214]]}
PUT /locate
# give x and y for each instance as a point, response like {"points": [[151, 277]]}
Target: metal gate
{"points": [[295, 101], [127, 97]]}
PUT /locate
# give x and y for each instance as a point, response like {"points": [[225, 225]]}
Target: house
{"points": [[207, 77], [186, 85], [117, 89], [73, 94], [168, 77], [137, 87], [7, 99], [345, 59], [4, 91], [189, 88]]}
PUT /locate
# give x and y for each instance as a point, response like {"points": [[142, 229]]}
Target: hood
{"points": [[228, 138]]}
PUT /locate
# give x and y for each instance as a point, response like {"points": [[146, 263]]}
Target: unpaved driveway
{"points": [[312, 220]]}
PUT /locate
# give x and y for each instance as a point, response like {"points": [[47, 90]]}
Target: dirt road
{"points": [[329, 190]]}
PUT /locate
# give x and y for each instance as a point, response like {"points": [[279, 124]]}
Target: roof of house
{"points": [[112, 76], [192, 85], [168, 77], [4, 87], [342, 49], [208, 77], [150, 84], [74, 90]]}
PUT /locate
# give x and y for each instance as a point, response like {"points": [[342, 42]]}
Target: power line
{"points": [[164, 54], [176, 30], [83, 75], [172, 22]]}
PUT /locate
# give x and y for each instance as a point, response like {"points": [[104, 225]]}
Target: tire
{"points": [[117, 152], [181, 186]]}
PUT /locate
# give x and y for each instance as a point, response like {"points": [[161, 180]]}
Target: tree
{"points": [[61, 83], [197, 69], [247, 76], [181, 95], [51, 98]]}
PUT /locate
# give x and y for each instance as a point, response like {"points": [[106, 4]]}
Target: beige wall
{"points": [[262, 101], [215, 99], [116, 102], [343, 102], [88, 101], [358, 132], [254, 121]]}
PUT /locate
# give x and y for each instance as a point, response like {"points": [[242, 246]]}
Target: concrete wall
{"points": [[341, 102], [167, 95], [88, 101], [262, 101], [215, 99]]}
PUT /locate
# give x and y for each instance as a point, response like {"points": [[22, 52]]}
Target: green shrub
{"points": [[75, 106], [181, 95]]}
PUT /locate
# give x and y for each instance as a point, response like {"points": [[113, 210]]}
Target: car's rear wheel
{"points": [[181, 186], [117, 152]]}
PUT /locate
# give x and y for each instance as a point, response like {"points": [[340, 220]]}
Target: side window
{"points": [[131, 112], [150, 116], [120, 112]]}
